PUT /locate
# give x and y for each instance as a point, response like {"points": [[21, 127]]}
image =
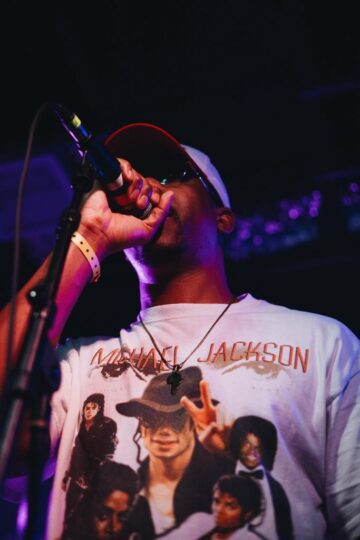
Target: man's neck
{"points": [[206, 285]]}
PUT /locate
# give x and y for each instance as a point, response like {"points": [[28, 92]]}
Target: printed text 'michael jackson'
{"points": [[291, 356]]}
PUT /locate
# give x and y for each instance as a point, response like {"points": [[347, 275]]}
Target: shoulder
{"points": [[303, 320], [74, 354], [108, 424]]}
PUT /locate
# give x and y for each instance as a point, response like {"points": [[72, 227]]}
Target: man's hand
{"points": [[213, 435], [109, 232]]}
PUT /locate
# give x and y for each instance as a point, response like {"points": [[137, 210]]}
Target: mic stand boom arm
{"points": [[37, 374]]}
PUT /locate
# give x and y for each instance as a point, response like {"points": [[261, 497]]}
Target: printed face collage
{"points": [[178, 479]]}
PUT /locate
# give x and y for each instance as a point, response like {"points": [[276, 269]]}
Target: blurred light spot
{"points": [[244, 234], [294, 213], [316, 195], [21, 520]]}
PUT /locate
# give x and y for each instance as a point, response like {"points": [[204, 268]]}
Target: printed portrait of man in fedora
{"points": [[178, 474]]}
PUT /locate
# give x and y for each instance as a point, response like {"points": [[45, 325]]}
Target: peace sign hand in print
{"points": [[212, 434]]}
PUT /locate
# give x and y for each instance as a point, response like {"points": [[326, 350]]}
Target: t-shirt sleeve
{"points": [[343, 438]]}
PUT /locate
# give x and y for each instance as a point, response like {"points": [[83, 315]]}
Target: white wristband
{"points": [[89, 253]]}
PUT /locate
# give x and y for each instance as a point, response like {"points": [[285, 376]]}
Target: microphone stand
{"points": [[37, 374]]}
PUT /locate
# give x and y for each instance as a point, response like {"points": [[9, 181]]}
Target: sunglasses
{"points": [[189, 172], [174, 421]]}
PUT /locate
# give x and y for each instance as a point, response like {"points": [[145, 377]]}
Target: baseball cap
{"points": [[155, 152]]}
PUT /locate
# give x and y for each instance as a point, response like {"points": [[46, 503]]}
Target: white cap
{"points": [[211, 173]]}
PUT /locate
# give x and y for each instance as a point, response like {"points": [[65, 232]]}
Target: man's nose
{"points": [[164, 430]]}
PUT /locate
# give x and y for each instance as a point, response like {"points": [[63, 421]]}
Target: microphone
{"points": [[106, 166]]}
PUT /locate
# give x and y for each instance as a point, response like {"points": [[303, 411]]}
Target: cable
{"points": [[16, 256]]}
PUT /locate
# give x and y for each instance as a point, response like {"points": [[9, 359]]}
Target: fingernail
{"points": [[143, 200], [138, 183], [155, 197]]}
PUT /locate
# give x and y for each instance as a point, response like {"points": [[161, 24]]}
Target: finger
{"points": [[206, 433], [190, 407], [212, 439], [127, 171], [206, 395], [142, 191], [140, 231], [155, 196], [144, 195], [158, 214], [134, 189]]}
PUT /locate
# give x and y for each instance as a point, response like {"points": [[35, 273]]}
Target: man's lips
{"points": [[164, 442], [252, 457]]}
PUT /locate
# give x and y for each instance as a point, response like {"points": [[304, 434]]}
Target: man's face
{"points": [[90, 410], [168, 440], [188, 231], [226, 510], [250, 453], [110, 516]]}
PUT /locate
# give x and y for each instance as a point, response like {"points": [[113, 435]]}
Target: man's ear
{"points": [[225, 219]]}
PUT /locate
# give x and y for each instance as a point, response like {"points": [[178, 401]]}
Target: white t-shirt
{"points": [[295, 370]]}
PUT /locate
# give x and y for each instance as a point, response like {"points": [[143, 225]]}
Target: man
{"points": [[189, 316], [178, 474], [95, 442], [253, 445], [236, 501]]}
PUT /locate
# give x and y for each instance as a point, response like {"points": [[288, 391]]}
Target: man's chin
{"points": [[162, 248]]}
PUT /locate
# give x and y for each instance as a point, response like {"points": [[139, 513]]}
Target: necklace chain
{"points": [[177, 367]]}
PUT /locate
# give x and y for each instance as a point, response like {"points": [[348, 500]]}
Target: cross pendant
{"points": [[174, 379]]}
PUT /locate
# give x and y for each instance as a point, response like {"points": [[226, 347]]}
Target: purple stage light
{"points": [[244, 234], [273, 227], [294, 213], [316, 195], [22, 517]]}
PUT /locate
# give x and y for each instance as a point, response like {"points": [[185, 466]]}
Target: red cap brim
{"points": [[151, 150]]}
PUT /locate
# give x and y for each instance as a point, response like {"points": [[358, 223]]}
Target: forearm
{"points": [[106, 233], [76, 274]]}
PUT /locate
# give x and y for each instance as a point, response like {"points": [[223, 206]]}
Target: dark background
{"points": [[269, 88]]}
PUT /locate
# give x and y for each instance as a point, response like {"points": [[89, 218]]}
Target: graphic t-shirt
{"points": [[260, 438]]}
